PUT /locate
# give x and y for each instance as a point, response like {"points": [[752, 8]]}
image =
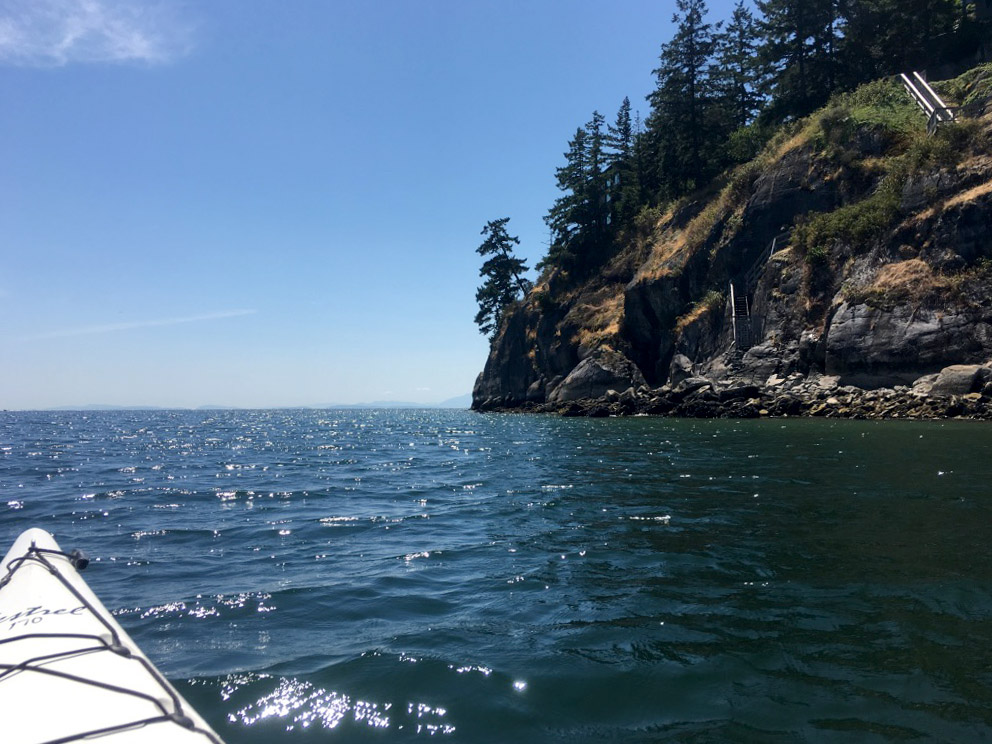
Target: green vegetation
{"points": [[724, 90], [875, 104], [973, 86], [881, 105], [732, 98], [852, 224], [504, 283]]}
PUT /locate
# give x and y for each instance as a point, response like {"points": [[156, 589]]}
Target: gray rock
{"points": [[760, 362], [601, 371], [691, 385], [535, 393], [923, 385], [680, 369], [873, 347], [828, 382], [650, 309], [739, 392], [629, 396], [960, 379], [774, 381]]}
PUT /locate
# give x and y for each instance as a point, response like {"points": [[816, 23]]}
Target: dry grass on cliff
{"points": [[664, 257], [904, 282], [598, 319], [713, 303], [903, 275], [968, 195], [675, 247]]}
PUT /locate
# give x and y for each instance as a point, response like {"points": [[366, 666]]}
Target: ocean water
{"points": [[394, 576]]}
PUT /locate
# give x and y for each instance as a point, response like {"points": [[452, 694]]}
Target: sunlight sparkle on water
{"points": [[300, 705], [303, 704]]}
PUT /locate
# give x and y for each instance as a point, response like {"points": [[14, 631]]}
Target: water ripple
{"points": [[401, 575]]}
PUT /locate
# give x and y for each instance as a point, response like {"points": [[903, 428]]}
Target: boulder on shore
{"points": [[594, 376], [960, 379]]}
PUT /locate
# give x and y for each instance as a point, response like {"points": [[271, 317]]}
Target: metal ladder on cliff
{"points": [[740, 316], [937, 112], [741, 291]]}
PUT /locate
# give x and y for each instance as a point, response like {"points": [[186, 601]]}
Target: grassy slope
{"points": [[663, 239]]}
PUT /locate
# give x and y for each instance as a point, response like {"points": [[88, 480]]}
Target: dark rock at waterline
{"points": [[596, 375], [960, 379], [737, 392], [816, 396]]}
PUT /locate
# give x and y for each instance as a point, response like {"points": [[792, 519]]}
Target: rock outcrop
{"points": [[596, 375], [877, 300]]}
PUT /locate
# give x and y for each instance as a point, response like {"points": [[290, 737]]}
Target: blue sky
{"points": [[260, 203]]}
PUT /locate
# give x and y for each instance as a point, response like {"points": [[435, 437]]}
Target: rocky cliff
{"points": [[861, 247]]}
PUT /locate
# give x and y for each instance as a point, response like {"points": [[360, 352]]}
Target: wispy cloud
{"points": [[132, 325], [52, 33]]}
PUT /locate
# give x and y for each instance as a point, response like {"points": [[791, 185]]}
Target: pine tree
{"points": [[642, 163], [736, 72], [565, 218], [504, 281], [580, 219], [623, 184], [596, 197], [620, 136], [679, 125], [885, 37], [799, 47]]}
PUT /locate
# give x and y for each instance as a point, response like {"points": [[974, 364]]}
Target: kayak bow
{"points": [[68, 671]]}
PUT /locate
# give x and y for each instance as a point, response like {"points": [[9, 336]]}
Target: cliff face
{"points": [[881, 271]]}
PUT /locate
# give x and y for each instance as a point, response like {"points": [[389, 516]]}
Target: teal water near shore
{"points": [[388, 576]]}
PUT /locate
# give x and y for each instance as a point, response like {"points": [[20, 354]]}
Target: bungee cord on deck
{"points": [[171, 710]]}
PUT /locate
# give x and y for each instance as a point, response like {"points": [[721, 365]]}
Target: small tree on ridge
{"points": [[504, 283]]}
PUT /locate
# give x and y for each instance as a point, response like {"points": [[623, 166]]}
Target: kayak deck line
{"points": [[165, 703]]}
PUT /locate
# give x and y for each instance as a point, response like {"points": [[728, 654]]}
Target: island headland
{"points": [[844, 271]]}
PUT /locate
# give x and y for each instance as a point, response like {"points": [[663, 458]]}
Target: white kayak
{"points": [[68, 671]]}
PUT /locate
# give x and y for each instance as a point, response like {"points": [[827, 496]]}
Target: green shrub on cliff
{"points": [[878, 104], [854, 224], [973, 86]]}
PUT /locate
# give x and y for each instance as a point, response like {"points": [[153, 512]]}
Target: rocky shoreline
{"points": [[959, 391]]}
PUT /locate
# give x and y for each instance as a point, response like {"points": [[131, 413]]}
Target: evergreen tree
{"points": [[565, 218], [504, 281], [620, 136], [623, 189], [642, 163], [799, 47], [579, 219], [886, 37], [596, 196], [679, 126], [736, 72]]}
